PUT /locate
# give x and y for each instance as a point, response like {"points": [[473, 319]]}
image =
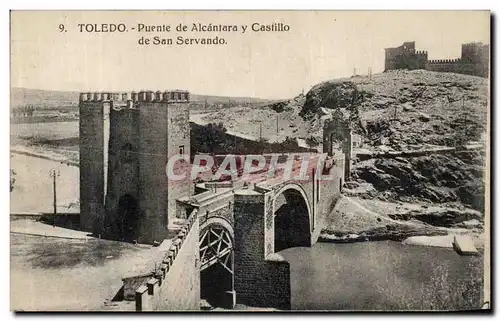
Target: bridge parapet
{"points": [[161, 290], [248, 211]]}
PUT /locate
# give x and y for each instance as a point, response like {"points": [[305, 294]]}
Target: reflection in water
{"points": [[383, 275]]}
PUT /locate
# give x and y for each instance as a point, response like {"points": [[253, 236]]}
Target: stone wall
{"points": [[123, 175], [459, 67], [473, 61], [153, 182], [238, 145], [405, 57], [259, 281], [179, 142], [338, 129], [176, 284], [92, 179], [145, 128], [329, 192], [224, 212]]}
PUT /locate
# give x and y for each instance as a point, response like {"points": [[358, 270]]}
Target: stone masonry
{"points": [[474, 60], [124, 193], [126, 141]]}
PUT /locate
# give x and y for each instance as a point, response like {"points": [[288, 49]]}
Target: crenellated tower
{"points": [[145, 129]]}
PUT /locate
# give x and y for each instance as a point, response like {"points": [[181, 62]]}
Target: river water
{"points": [[383, 275], [33, 189], [55, 130]]}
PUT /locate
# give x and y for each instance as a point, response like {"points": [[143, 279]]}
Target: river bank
{"points": [[358, 220]]}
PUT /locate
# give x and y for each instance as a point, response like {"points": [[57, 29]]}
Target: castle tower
{"points": [[338, 130], [143, 132], [405, 57], [122, 200], [94, 135], [164, 131]]}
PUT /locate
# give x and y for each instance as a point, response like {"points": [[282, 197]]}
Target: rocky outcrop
{"points": [[400, 108], [445, 217], [331, 95], [437, 178], [393, 232]]}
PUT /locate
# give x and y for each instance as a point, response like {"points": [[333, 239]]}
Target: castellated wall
{"points": [[407, 60], [458, 66], [474, 60], [175, 286]]}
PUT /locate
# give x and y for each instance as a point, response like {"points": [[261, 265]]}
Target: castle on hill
{"points": [[474, 61]]}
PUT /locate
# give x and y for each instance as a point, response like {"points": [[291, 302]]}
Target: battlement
{"points": [[473, 61], [172, 96], [168, 271], [473, 44], [445, 61]]}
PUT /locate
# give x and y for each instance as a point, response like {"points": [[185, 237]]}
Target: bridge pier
{"points": [[262, 278]]}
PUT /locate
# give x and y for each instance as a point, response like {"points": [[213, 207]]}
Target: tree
{"points": [[213, 137], [313, 141]]}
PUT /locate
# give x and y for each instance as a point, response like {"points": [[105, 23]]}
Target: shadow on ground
{"points": [[54, 253]]}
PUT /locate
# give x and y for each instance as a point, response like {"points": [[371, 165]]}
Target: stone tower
{"points": [[338, 129], [94, 135], [145, 130]]}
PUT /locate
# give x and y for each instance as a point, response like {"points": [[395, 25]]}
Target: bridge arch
{"points": [[217, 220], [292, 217], [216, 244]]}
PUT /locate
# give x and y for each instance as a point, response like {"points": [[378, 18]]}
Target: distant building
{"points": [[474, 60], [22, 112]]}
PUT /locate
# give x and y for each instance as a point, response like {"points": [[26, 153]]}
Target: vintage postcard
{"points": [[250, 160]]}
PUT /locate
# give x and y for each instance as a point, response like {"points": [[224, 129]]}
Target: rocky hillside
{"points": [[401, 108], [396, 109], [274, 121]]}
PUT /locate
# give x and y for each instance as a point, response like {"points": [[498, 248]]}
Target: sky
{"points": [[319, 46]]}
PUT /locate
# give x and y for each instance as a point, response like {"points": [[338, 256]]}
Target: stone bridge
{"points": [[226, 236], [243, 225]]}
